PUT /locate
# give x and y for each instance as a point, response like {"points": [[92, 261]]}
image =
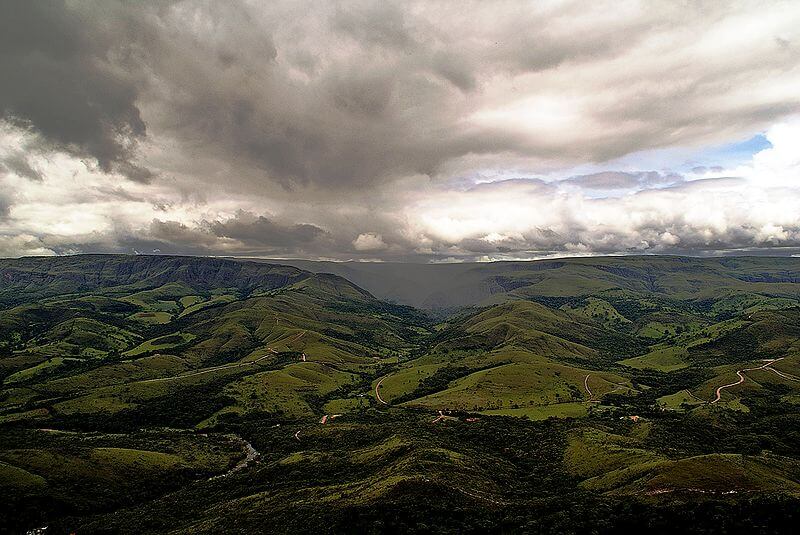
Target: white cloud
{"points": [[779, 166], [369, 241], [525, 217], [23, 245]]}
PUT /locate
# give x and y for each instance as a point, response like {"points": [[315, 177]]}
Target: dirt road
{"points": [[377, 391], [296, 338], [586, 386], [328, 418], [442, 416], [783, 374], [740, 373]]}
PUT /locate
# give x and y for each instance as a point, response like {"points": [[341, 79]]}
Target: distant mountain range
{"points": [[444, 286]]}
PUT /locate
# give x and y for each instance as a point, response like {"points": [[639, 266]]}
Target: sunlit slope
{"points": [[544, 331], [89, 357], [522, 384], [515, 359]]}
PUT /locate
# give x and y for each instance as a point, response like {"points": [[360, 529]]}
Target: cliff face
{"points": [[26, 278]]}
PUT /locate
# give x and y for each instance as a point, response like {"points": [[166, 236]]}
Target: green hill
{"points": [[150, 394]]}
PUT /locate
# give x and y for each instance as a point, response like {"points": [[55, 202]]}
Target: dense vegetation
{"points": [[173, 394]]}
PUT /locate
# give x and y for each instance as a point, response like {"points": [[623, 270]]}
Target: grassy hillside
{"points": [[598, 395]]}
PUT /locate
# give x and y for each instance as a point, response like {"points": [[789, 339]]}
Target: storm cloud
{"points": [[62, 73], [395, 130]]}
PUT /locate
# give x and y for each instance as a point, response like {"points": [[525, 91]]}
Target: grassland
{"points": [[516, 385], [618, 464], [681, 400], [161, 343], [666, 359], [168, 394], [33, 371], [575, 409]]}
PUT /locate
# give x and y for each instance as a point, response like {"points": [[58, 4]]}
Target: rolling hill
{"points": [[155, 394]]}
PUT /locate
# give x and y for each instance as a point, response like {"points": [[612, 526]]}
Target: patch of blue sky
{"points": [[731, 154], [680, 160]]}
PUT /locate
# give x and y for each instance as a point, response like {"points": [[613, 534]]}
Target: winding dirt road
{"points": [[784, 374], [377, 390], [209, 370], [588, 390], [740, 373]]}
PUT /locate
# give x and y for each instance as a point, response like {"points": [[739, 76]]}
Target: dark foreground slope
{"points": [[193, 395]]}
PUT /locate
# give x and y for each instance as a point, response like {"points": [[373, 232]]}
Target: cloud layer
{"points": [[425, 131]]}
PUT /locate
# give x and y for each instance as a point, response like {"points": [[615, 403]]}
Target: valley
{"points": [[211, 395]]}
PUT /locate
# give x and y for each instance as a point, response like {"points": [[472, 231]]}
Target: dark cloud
{"points": [[245, 233], [58, 79], [18, 164], [260, 231], [375, 24], [336, 97], [455, 68], [176, 233]]}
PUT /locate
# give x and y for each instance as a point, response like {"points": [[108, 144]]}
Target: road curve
{"points": [[740, 373], [788, 376], [377, 390], [586, 386]]}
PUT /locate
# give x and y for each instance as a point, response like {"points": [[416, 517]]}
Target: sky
{"points": [[399, 131]]}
